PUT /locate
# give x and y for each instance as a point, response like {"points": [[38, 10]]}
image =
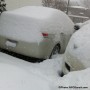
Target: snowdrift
{"points": [[14, 78], [75, 81], [16, 74]]}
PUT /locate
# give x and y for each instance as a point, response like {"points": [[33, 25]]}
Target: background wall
{"points": [[13, 4]]}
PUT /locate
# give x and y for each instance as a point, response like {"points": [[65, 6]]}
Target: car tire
{"points": [[56, 50]]}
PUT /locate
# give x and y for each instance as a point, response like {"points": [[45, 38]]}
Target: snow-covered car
{"points": [[79, 25], [35, 31], [77, 54]]}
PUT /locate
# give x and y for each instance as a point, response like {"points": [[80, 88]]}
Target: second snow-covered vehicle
{"points": [[35, 31], [77, 54]]}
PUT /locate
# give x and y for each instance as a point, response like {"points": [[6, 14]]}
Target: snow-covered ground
{"points": [[79, 80], [16, 74], [15, 78], [48, 68]]}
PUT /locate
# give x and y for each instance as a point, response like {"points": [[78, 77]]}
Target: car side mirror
{"points": [[76, 27]]}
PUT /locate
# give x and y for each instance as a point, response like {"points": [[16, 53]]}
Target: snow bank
{"points": [[16, 74], [48, 69], [13, 77], [51, 68], [27, 23], [79, 80]]}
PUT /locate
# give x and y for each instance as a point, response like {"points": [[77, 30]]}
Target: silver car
{"points": [[35, 31]]}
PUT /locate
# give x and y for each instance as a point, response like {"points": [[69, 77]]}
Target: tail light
{"points": [[45, 34]]}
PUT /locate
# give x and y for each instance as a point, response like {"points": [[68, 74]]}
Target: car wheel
{"points": [[56, 50]]}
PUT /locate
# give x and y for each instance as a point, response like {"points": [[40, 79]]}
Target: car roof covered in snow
{"points": [[32, 20], [37, 12]]}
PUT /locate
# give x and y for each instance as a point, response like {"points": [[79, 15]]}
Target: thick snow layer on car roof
{"points": [[27, 23], [79, 46], [36, 12], [23, 75]]}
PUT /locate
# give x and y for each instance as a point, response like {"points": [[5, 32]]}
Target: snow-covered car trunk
{"points": [[20, 27], [33, 30]]}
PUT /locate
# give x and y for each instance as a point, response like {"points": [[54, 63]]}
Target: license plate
{"points": [[10, 43]]}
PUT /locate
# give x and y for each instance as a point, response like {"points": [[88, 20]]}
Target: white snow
{"points": [[28, 23], [82, 17], [16, 74], [8, 43], [78, 7], [36, 12], [79, 24], [82, 24], [78, 49], [15, 78], [48, 69], [78, 80]]}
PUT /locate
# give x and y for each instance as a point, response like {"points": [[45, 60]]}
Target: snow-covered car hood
{"points": [[79, 46]]}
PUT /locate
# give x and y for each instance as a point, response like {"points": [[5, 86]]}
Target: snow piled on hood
{"points": [[51, 68], [79, 46]]}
